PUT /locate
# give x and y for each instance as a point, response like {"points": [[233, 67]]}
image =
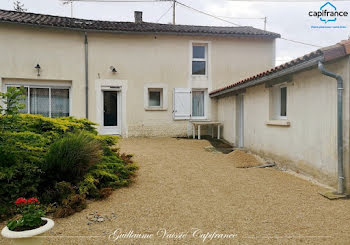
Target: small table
{"points": [[194, 124]]}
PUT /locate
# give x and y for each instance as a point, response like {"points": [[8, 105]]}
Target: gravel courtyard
{"points": [[181, 186]]}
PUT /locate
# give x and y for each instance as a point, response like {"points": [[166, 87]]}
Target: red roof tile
{"points": [[341, 49]]}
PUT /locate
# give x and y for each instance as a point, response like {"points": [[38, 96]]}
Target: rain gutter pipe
{"points": [[340, 88], [86, 45]]}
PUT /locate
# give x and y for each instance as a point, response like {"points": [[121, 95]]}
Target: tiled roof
{"points": [[42, 20], [329, 53]]}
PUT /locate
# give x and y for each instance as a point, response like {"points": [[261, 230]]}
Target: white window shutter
{"points": [[182, 103]]}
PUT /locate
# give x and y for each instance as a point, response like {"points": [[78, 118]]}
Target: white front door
{"points": [[111, 113], [240, 120]]}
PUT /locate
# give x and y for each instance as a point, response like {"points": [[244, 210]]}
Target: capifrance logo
{"points": [[328, 13]]}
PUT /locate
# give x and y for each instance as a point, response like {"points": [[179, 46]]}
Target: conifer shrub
{"points": [[45, 157]]}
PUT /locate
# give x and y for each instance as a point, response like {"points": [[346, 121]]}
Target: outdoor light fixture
{"points": [[113, 69], [37, 67]]}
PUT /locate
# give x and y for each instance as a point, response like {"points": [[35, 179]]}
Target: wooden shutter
{"points": [[182, 103]]}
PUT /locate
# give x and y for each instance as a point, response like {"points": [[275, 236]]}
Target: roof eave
{"points": [[269, 37], [287, 71]]}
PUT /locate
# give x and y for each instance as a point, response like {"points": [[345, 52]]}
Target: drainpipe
{"points": [[341, 186], [86, 44]]}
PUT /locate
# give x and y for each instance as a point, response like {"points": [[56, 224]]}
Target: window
{"points": [[190, 103], [278, 98], [25, 102], [198, 104], [46, 101], [39, 101], [59, 102], [283, 102], [155, 97], [199, 59]]}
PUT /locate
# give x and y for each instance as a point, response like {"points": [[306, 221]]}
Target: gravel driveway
{"points": [[181, 187]]}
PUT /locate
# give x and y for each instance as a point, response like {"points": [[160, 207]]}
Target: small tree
{"points": [[18, 6], [12, 101]]}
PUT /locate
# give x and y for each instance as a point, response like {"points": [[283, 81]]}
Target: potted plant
{"points": [[28, 224]]}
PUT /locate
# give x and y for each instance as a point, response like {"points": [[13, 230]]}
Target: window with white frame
{"points": [[155, 97], [198, 104], [190, 103], [199, 59], [46, 101], [278, 102]]}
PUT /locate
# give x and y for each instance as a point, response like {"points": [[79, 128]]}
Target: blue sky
{"points": [[289, 18]]}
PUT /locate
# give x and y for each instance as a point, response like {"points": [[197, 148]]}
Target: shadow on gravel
{"points": [[217, 145]]}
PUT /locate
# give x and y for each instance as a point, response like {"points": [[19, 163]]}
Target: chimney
{"points": [[138, 17]]}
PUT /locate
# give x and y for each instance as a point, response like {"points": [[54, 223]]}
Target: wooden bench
{"points": [[205, 123]]}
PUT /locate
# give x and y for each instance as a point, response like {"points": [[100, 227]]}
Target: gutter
{"points": [[288, 71], [340, 88], [86, 46]]}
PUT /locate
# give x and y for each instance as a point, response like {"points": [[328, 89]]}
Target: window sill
{"points": [[155, 109], [200, 119], [284, 123], [200, 77]]}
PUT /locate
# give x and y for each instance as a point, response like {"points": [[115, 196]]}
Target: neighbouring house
{"points": [[132, 78], [295, 114]]}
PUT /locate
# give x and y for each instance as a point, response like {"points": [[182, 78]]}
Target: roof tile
{"points": [[7, 16], [341, 49]]}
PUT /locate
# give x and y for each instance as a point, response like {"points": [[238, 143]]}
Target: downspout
{"points": [[86, 44], [341, 186]]}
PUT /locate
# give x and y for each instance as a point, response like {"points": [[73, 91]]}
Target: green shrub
{"points": [[61, 160], [69, 158], [22, 147], [51, 128], [68, 200], [106, 175], [12, 100], [64, 190], [105, 192], [107, 140], [15, 181], [70, 205]]}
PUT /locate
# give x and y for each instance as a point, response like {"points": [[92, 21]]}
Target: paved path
{"points": [[180, 186]]}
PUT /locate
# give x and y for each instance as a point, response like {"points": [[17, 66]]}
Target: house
{"points": [[146, 79], [296, 113], [132, 78]]}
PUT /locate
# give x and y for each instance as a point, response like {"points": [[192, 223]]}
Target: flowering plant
{"points": [[29, 215]]}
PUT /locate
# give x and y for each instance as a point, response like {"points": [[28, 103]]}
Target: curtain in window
{"points": [[39, 101], [198, 104], [59, 102], [24, 101]]}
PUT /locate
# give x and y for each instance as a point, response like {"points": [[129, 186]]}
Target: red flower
{"points": [[21, 201], [33, 200]]}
